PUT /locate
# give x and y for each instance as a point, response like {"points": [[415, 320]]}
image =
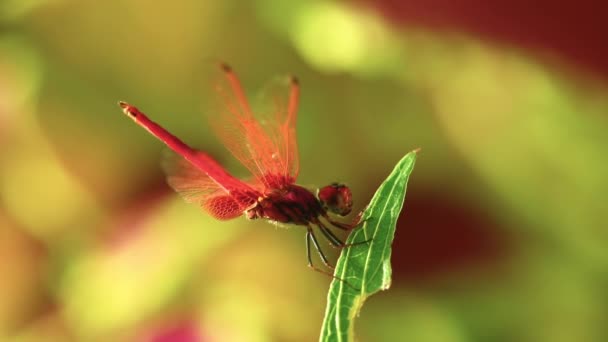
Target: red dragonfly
{"points": [[266, 145]]}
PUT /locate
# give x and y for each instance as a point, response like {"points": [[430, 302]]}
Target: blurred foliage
{"points": [[94, 246]]}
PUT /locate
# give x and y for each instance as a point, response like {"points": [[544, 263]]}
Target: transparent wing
{"points": [[223, 207], [265, 143], [197, 187], [276, 111]]}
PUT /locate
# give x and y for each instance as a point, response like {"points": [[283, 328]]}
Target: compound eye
{"points": [[336, 198]]}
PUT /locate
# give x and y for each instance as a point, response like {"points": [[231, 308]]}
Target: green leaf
{"points": [[366, 268]]}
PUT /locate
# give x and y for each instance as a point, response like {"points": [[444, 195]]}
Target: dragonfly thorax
{"points": [[291, 204]]}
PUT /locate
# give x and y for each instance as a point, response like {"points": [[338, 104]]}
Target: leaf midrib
{"points": [[365, 267]]}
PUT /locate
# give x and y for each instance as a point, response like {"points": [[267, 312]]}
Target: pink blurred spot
{"points": [[178, 332], [131, 222]]}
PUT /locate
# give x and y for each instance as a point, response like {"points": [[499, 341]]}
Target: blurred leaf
{"points": [[341, 38], [367, 267], [114, 285], [16, 9]]}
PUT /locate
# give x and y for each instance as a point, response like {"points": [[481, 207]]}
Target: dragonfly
{"points": [[265, 143]]}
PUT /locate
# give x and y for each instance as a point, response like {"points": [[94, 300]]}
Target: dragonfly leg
{"points": [[334, 240], [347, 226], [331, 237], [310, 236]]}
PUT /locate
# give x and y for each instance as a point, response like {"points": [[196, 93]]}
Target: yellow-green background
{"points": [[95, 247]]}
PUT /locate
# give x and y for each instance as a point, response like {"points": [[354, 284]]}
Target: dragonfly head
{"points": [[336, 198]]}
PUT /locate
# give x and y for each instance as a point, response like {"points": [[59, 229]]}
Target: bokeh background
{"points": [[503, 235]]}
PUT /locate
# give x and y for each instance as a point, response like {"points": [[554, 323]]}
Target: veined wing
{"points": [[265, 143], [197, 176], [195, 186]]}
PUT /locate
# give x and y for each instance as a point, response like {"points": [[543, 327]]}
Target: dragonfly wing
{"points": [[223, 207], [224, 200], [277, 113], [265, 143]]}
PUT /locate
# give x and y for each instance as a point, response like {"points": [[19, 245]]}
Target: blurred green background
{"points": [[503, 235]]}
